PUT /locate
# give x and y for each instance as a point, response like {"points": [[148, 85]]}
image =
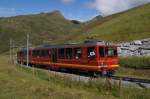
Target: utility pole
{"points": [[13, 51], [27, 49], [10, 47]]}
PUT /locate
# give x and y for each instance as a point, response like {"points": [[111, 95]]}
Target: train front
{"points": [[108, 59]]}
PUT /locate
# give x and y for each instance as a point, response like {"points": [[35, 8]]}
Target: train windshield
{"points": [[108, 51], [111, 52]]}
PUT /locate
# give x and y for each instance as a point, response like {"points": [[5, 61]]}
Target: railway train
{"points": [[91, 57]]}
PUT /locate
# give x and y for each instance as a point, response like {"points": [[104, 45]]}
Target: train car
{"points": [[93, 57]]}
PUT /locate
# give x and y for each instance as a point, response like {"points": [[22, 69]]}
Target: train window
{"points": [[35, 52], [69, 53], [32, 53], [46, 52], [49, 52], [111, 52], [91, 52], [61, 53], [38, 53], [24, 52], [78, 53], [43, 53], [102, 51]]}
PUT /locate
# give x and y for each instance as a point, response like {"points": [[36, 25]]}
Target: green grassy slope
{"points": [[125, 26], [42, 28], [54, 28], [20, 83]]}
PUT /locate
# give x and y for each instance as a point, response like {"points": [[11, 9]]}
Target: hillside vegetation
{"points": [[22, 83], [126, 26], [50, 28], [135, 62], [43, 28]]}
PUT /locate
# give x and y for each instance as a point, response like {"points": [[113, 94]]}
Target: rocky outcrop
{"points": [[135, 48]]}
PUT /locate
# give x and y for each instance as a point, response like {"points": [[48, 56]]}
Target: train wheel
{"points": [[110, 73], [104, 73], [93, 74]]}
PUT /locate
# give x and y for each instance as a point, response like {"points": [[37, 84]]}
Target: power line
{"points": [[15, 46]]}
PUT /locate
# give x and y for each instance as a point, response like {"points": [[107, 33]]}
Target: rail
{"points": [[131, 79]]}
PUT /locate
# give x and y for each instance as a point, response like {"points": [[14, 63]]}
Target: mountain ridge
{"points": [[53, 28], [121, 27], [41, 27]]}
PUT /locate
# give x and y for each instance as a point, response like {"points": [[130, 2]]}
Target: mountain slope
{"points": [[126, 26], [54, 28], [43, 27]]}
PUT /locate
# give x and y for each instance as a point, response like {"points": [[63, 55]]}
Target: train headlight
{"points": [[103, 65]]}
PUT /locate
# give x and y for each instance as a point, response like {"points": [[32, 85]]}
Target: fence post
{"points": [[79, 78], [33, 70], [120, 87]]}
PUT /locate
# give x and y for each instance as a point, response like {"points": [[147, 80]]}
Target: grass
{"points": [[20, 83], [134, 67], [131, 72], [135, 62], [122, 27], [43, 28]]}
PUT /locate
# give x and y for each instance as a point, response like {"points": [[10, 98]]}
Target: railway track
{"points": [[131, 79], [144, 83]]}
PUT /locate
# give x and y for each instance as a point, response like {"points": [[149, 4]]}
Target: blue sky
{"points": [[72, 9]]}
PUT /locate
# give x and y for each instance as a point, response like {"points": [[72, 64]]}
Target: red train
{"points": [[93, 57]]}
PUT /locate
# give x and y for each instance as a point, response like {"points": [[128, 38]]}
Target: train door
{"points": [[102, 55], [54, 55]]}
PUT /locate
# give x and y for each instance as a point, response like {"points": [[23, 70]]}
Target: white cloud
{"points": [[108, 7], [67, 1], [7, 10]]}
